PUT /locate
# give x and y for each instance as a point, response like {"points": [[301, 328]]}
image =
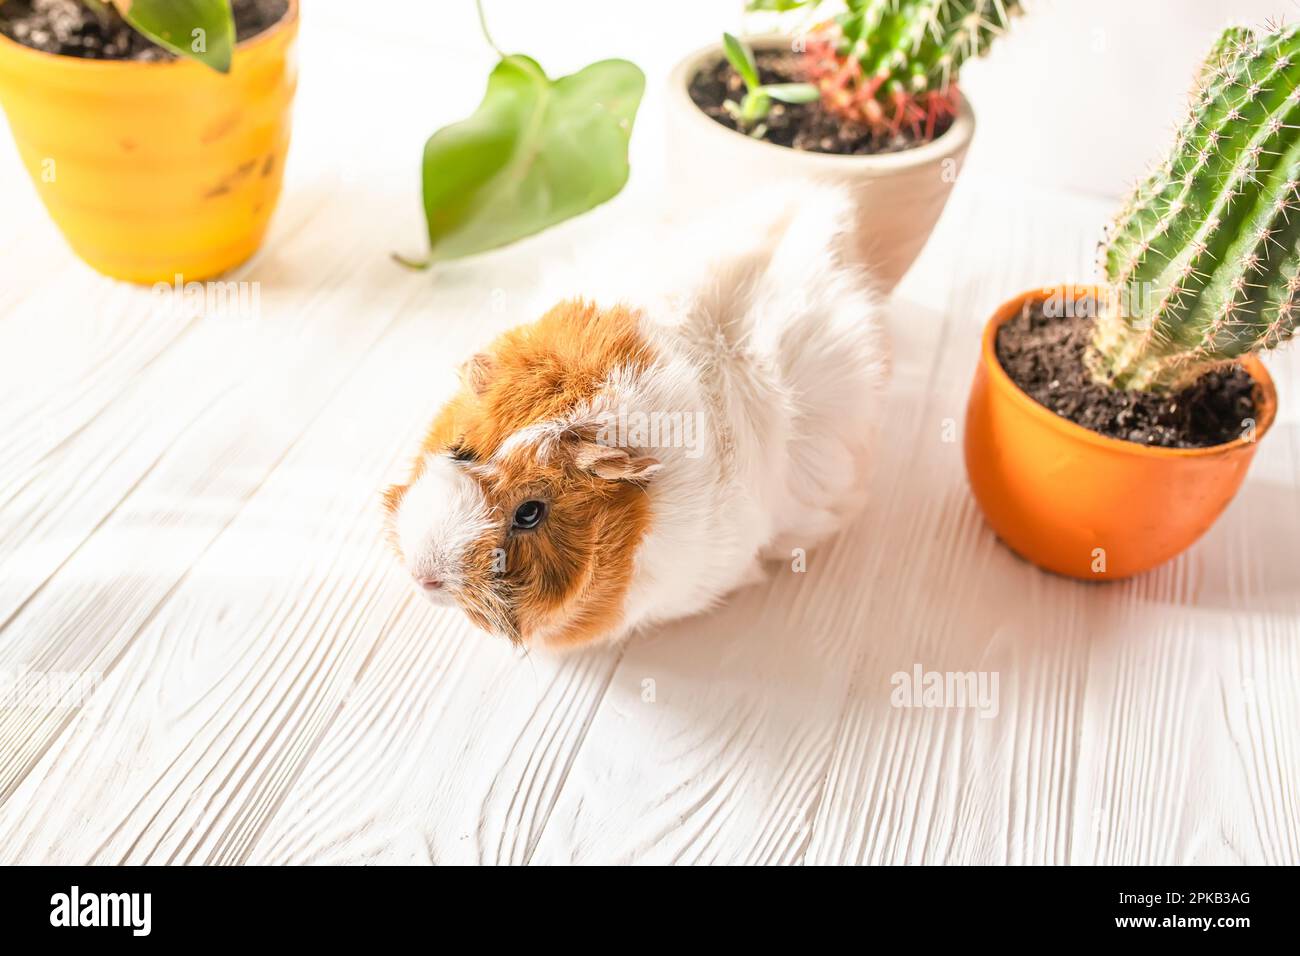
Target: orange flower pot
{"points": [[1081, 504], [154, 170]]}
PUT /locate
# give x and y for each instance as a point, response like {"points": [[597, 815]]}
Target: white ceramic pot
{"points": [[898, 196]]}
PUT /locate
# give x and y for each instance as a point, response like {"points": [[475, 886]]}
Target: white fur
{"points": [[439, 518], [762, 326]]}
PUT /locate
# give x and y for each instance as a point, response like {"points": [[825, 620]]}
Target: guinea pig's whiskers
{"points": [[494, 610]]}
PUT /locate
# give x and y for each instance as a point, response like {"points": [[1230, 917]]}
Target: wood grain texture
{"points": [[188, 512]]}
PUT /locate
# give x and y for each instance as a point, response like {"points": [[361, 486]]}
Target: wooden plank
{"points": [[912, 785], [184, 505], [164, 470], [89, 426], [1193, 708], [449, 750], [59, 371]]}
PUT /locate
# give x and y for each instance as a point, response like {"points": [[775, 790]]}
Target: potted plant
{"points": [[155, 131], [888, 122], [1108, 427]]}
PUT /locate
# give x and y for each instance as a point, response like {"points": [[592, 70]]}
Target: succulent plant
{"points": [[755, 105], [893, 64], [1203, 262]]}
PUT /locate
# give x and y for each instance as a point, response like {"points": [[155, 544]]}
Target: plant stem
{"points": [[482, 24]]}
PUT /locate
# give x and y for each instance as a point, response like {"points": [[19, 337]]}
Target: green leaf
{"points": [[779, 6], [792, 92], [754, 107], [535, 153], [742, 59], [202, 30]]}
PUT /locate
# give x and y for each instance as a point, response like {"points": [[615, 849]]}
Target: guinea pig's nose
{"points": [[430, 583]]}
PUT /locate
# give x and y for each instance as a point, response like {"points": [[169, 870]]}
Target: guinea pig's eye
{"points": [[529, 515]]}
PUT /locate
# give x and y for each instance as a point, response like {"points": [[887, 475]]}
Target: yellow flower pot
{"points": [[154, 170]]}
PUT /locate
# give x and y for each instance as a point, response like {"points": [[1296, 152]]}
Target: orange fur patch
{"points": [[564, 582]]}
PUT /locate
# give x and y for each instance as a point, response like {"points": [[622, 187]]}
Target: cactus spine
{"points": [[1203, 263], [892, 64]]}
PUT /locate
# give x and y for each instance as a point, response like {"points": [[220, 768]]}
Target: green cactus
{"points": [[891, 64], [1203, 263]]}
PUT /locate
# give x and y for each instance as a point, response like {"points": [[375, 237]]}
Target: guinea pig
{"points": [[632, 458]]}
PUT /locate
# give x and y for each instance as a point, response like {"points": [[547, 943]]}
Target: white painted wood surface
{"points": [[188, 511]]}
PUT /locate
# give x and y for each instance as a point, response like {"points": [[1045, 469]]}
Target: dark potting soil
{"points": [[70, 28], [1044, 355], [806, 126]]}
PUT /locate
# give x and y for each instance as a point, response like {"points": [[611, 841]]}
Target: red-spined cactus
{"points": [[892, 65]]}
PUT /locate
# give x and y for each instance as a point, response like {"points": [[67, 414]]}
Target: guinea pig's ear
{"points": [[477, 373], [615, 464]]}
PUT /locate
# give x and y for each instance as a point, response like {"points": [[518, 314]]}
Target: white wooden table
{"points": [[188, 515]]}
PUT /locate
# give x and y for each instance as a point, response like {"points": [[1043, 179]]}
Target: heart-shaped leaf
{"points": [[536, 152], [203, 30]]}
